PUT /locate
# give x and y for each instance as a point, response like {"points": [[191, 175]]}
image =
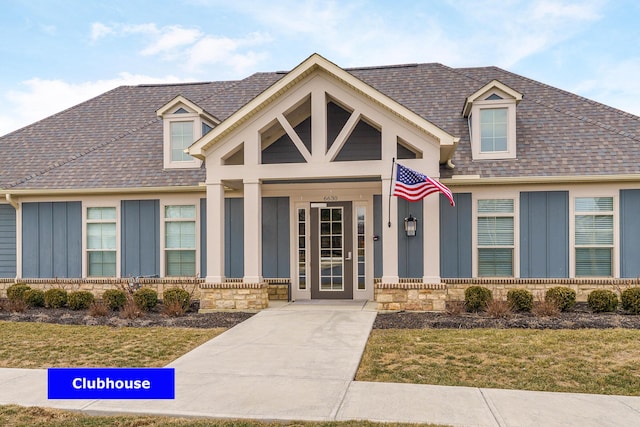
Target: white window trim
{"points": [[85, 252], [476, 152], [163, 249], [515, 196], [197, 134], [615, 256]]}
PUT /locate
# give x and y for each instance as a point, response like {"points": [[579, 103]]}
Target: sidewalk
{"points": [[297, 362]]}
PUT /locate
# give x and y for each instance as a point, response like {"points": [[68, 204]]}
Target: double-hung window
{"points": [[180, 240], [495, 230], [594, 236], [493, 130], [181, 139], [101, 242]]}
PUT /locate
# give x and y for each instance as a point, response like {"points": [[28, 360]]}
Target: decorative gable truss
{"points": [[183, 123], [324, 124], [491, 115]]}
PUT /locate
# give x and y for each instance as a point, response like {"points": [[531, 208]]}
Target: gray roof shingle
{"points": [[115, 140]]}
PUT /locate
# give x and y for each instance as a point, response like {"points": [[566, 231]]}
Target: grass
{"points": [[11, 415], [579, 361], [43, 345]]}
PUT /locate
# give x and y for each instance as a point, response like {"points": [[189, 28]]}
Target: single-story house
{"points": [[283, 182]]}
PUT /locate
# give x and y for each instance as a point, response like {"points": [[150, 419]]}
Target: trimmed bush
{"points": [[34, 297], [476, 298], [563, 297], [55, 298], [602, 300], [16, 292], [520, 299], [631, 300], [145, 298], [176, 295], [80, 300], [114, 299]]}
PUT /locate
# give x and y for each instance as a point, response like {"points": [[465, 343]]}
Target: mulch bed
{"points": [[578, 318]]}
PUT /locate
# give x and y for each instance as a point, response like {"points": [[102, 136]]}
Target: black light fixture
{"points": [[410, 225]]}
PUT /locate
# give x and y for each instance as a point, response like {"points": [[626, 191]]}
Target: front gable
{"points": [[323, 123]]}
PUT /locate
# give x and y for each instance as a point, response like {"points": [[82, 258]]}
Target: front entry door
{"points": [[332, 251]]}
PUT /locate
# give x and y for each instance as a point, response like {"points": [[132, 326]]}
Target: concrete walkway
{"points": [[297, 362]]}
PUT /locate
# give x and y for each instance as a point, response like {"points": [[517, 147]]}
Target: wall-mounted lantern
{"points": [[410, 225]]}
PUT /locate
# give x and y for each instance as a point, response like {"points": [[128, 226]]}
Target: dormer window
{"points": [[491, 115], [184, 123]]}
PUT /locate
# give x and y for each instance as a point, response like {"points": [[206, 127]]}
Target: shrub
{"points": [[177, 295], [34, 297], [98, 309], [173, 308], [476, 298], [55, 298], [80, 300], [114, 299], [499, 309], [520, 299], [16, 306], [16, 292], [602, 300], [563, 297], [631, 300], [145, 298], [455, 308], [130, 310], [545, 309]]}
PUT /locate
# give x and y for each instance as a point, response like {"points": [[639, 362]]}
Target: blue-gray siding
{"points": [[284, 150], [52, 239], [410, 249], [544, 234], [7, 241], [203, 237], [456, 236], [234, 238], [630, 233], [275, 237], [377, 231], [140, 238]]}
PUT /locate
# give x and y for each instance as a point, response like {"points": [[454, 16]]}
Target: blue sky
{"points": [[57, 53]]}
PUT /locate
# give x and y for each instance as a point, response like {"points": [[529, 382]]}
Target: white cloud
{"points": [[38, 98], [100, 30], [190, 48], [171, 38]]}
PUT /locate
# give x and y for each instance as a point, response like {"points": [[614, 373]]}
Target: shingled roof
{"points": [[115, 140]]}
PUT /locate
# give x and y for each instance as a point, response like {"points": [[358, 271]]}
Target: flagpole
{"points": [[393, 163]]}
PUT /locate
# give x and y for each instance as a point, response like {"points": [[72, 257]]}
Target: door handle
{"points": [[348, 258]]}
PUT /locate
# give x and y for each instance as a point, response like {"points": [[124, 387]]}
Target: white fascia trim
{"points": [[561, 179], [493, 84], [200, 188]]}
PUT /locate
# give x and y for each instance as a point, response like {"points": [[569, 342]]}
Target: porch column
{"points": [[431, 240], [389, 234], [215, 233], [252, 231]]}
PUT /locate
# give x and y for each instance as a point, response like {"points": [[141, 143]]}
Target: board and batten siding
{"points": [[630, 233], [52, 239], [140, 238], [544, 234], [275, 237], [410, 249], [456, 236], [7, 241], [203, 237], [234, 238]]}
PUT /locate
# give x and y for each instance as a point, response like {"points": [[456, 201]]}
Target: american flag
{"points": [[414, 186]]}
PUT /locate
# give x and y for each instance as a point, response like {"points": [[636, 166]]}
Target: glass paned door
{"points": [[332, 251]]}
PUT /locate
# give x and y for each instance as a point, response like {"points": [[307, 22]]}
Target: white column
{"points": [[431, 240], [252, 231], [389, 235], [215, 233]]}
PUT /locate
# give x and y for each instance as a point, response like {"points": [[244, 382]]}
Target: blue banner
{"points": [[111, 383]]}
